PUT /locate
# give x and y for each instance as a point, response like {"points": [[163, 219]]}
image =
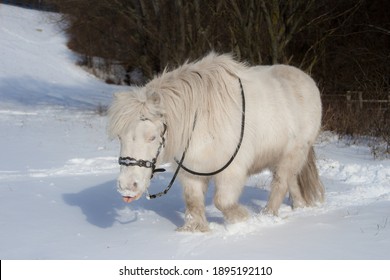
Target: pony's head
{"points": [[137, 119]]}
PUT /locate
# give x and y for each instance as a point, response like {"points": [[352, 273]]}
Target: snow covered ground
{"points": [[58, 177]]}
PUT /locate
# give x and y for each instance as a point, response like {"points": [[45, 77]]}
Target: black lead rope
{"points": [[235, 152], [152, 196], [180, 163]]}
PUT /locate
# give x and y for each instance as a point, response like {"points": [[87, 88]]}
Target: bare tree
{"points": [[284, 19]]}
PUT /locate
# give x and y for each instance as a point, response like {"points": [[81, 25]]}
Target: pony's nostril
{"points": [[135, 184]]}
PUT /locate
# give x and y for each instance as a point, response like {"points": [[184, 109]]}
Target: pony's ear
{"points": [[154, 98]]}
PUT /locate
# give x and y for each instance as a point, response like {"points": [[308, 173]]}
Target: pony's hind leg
{"points": [[285, 179], [279, 188], [295, 193], [227, 192], [278, 192], [194, 196]]}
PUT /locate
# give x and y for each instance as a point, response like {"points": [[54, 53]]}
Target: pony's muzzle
{"points": [[128, 188], [132, 185]]}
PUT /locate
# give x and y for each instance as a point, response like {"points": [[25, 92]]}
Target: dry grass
{"points": [[370, 121]]}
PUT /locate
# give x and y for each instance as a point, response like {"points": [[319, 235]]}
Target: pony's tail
{"points": [[311, 187]]}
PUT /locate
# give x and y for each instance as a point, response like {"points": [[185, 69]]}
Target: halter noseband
{"points": [[129, 161]]}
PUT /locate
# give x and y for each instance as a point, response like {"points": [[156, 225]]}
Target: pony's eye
{"points": [[152, 138]]}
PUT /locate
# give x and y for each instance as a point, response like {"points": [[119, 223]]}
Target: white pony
{"points": [[230, 121]]}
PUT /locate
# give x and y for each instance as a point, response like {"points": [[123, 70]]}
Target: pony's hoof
{"points": [[193, 228], [269, 212], [299, 204], [237, 215]]}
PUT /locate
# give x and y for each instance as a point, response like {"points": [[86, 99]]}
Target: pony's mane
{"points": [[207, 89]]}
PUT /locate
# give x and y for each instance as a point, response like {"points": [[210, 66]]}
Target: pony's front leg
{"points": [[194, 195], [227, 193]]}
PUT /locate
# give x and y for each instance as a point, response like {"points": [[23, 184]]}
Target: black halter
{"points": [[129, 161]]}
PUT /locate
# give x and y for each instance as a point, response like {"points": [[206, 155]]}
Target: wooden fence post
{"points": [[360, 96], [348, 95], [388, 101]]}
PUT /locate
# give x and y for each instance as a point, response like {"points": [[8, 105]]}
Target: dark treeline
{"points": [[31, 4], [344, 45]]}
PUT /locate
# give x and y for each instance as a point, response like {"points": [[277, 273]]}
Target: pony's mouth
{"points": [[129, 199]]}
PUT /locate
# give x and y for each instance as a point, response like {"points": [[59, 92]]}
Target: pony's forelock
{"points": [[128, 107]]}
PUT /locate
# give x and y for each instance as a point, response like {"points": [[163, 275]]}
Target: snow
{"points": [[58, 172]]}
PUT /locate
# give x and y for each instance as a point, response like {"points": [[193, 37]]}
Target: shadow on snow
{"points": [[101, 204]]}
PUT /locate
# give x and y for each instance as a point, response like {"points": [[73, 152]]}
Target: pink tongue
{"points": [[128, 199]]}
